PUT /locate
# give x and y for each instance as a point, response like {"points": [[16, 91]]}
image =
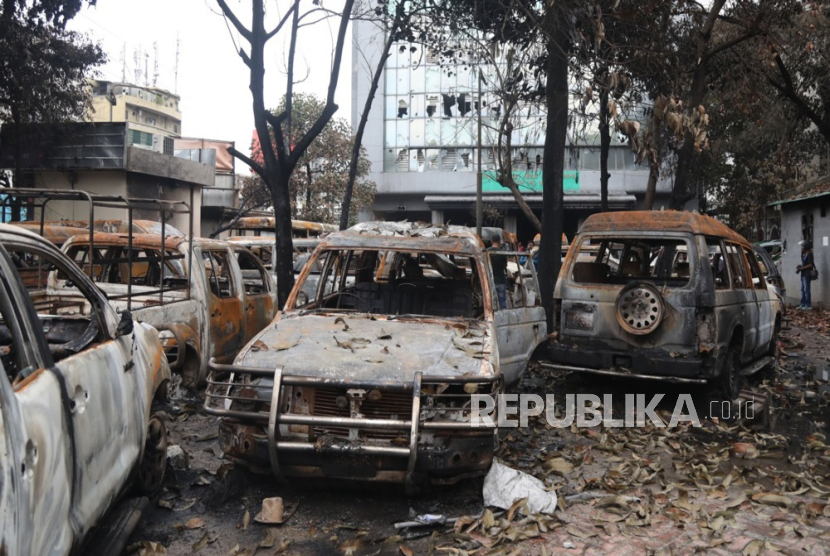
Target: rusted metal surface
{"points": [[73, 431], [267, 223], [659, 221], [53, 233], [373, 394], [212, 322], [676, 325]]}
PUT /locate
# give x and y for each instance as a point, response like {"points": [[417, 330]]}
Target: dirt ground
{"points": [[745, 486]]}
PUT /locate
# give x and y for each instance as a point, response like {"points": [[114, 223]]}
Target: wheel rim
{"points": [[154, 460], [639, 309]]}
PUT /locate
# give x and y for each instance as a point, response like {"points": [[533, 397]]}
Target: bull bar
{"points": [[274, 418]]}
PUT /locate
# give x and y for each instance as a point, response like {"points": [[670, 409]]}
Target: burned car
{"points": [[664, 295], [77, 387], [371, 378]]}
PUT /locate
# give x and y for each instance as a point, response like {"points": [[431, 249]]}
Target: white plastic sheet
{"points": [[504, 485]]}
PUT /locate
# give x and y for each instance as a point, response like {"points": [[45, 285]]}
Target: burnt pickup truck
{"points": [[77, 387], [371, 378], [669, 295], [211, 312]]}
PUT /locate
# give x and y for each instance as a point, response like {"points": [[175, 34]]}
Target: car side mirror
{"points": [[125, 325]]}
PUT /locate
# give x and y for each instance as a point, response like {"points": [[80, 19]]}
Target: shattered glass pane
{"points": [[465, 132], [432, 105], [403, 107], [402, 139], [433, 160], [433, 132], [401, 58], [448, 132]]}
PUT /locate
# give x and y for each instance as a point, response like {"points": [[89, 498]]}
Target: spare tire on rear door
{"points": [[639, 308]]}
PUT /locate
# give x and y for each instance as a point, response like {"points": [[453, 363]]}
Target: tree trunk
{"points": [[523, 206], [654, 163], [345, 207], [553, 205], [687, 157], [604, 143]]}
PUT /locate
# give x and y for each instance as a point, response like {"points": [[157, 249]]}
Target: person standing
{"points": [[499, 264], [806, 270]]}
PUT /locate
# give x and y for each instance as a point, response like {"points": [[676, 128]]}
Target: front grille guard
{"points": [[223, 378]]}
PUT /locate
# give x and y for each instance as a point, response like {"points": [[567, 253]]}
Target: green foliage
{"points": [[43, 67], [316, 186]]}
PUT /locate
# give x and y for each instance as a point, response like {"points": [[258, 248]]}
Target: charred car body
{"points": [[669, 295], [371, 378], [212, 312], [77, 384]]}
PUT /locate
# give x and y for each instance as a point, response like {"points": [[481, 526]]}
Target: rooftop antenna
{"points": [[176, 74], [146, 69], [137, 60], [124, 63], [155, 63]]}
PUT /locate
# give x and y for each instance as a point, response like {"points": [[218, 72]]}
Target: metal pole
{"points": [[479, 208]]}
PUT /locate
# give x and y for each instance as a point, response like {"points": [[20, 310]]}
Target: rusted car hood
{"points": [[359, 347]]}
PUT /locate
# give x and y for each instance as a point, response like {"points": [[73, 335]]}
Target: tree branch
{"points": [[330, 107], [249, 161], [730, 43], [282, 22], [244, 31]]}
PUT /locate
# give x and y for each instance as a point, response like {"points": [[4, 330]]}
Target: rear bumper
{"points": [[648, 363]]}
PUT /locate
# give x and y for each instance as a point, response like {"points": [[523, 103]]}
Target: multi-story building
{"points": [[152, 115], [422, 139]]}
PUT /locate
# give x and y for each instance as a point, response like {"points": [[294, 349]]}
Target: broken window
{"points": [[754, 271], [397, 283], [807, 227], [664, 261], [737, 267], [464, 104], [433, 132], [520, 287], [432, 105], [402, 108], [218, 273], [448, 103], [253, 274], [718, 262], [70, 322]]}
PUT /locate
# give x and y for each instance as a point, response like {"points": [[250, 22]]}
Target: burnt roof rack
{"points": [[33, 195]]}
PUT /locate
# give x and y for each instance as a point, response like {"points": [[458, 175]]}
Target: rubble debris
{"points": [[503, 486], [274, 512], [178, 458]]}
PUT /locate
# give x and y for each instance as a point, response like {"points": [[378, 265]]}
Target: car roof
{"points": [[659, 221], [417, 236]]}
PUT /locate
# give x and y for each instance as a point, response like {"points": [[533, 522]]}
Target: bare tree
{"points": [[280, 158]]}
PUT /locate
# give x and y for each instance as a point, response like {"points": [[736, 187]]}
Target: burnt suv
{"points": [[668, 295], [371, 376]]}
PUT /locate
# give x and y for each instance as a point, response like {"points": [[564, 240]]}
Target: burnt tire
{"points": [[153, 464], [730, 380], [639, 308]]}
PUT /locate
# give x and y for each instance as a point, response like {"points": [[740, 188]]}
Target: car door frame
{"points": [[519, 330], [224, 311], [40, 453]]}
